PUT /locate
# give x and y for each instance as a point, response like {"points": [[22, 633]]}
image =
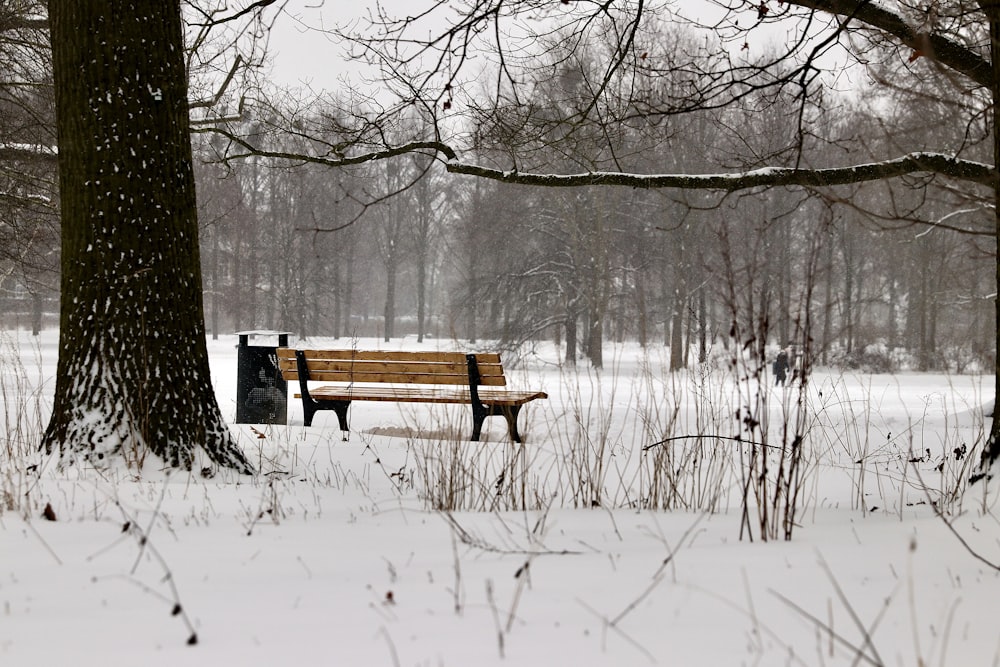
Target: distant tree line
{"points": [[877, 275], [885, 273]]}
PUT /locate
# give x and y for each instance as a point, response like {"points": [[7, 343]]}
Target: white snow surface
{"points": [[332, 557]]}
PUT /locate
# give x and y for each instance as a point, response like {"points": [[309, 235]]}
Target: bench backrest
{"points": [[393, 367]]}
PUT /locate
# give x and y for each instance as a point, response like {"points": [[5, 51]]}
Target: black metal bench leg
{"points": [[309, 410], [510, 412], [311, 407], [478, 416], [340, 407]]}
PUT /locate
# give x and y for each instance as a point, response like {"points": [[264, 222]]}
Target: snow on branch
{"points": [[10, 21], [25, 200], [767, 177], [15, 152], [913, 163]]}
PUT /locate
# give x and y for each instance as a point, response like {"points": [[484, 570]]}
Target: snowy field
{"points": [[336, 555]]}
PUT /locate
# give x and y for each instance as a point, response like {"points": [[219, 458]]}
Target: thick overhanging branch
{"points": [[948, 52], [913, 163]]}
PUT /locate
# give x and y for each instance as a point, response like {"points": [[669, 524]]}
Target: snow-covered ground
{"points": [[333, 554]]}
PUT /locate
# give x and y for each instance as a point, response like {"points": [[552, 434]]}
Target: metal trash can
{"points": [[261, 392]]}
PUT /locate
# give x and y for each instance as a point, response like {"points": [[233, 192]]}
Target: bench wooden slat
{"points": [[398, 367], [416, 365], [393, 378], [460, 370], [390, 355], [422, 395]]}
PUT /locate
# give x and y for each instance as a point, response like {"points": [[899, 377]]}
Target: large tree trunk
{"points": [[992, 10], [133, 374]]}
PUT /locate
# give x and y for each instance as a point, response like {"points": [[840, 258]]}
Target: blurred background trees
{"points": [[29, 205], [887, 273]]}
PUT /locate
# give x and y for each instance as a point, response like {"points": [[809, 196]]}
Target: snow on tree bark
{"points": [[133, 374]]}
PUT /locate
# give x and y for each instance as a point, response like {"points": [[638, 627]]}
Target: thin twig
{"points": [[657, 576], [826, 627], [711, 436], [496, 616], [954, 531], [466, 538], [45, 544]]}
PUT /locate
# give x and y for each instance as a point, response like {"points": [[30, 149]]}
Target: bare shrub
{"points": [[23, 414], [688, 466]]}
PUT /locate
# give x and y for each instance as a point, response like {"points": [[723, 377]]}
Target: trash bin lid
{"points": [[246, 335]]}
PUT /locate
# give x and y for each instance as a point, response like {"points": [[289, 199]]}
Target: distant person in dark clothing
{"points": [[781, 368]]}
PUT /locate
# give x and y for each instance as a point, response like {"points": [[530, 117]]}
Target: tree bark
{"points": [[133, 374], [992, 9]]}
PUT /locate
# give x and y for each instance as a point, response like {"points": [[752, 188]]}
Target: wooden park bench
{"points": [[404, 377]]}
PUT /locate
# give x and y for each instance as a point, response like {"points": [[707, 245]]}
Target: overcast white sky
{"points": [[304, 55]]}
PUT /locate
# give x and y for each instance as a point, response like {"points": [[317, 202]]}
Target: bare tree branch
{"points": [[260, 4], [202, 104], [340, 161], [28, 152], [768, 177]]}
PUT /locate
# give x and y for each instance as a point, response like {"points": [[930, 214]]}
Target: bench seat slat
{"points": [[413, 366], [392, 378], [421, 395]]}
